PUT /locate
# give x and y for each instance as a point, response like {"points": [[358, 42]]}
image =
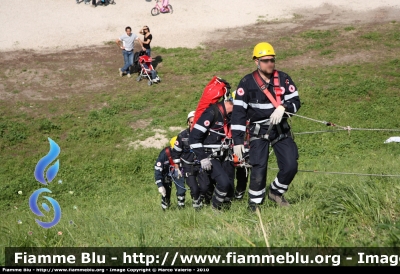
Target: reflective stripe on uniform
{"points": [[256, 200], [220, 193], [261, 106], [177, 148], [238, 127], [201, 128], [280, 190], [197, 145], [212, 146], [257, 193], [240, 103], [295, 109], [291, 95], [276, 181]]}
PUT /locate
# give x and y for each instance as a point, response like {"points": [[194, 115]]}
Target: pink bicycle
{"points": [[166, 8]]}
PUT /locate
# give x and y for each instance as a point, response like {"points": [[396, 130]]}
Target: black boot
{"points": [[252, 207], [165, 203], [197, 204], [181, 202]]}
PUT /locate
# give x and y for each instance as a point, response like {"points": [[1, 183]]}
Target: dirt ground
{"points": [[33, 76]]}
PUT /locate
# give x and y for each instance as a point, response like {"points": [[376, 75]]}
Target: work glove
{"points": [[206, 164], [162, 191], [276, 116], [177, 173], [238, 151]]}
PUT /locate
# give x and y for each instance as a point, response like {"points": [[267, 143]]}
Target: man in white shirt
{"points": [[126, 43]]}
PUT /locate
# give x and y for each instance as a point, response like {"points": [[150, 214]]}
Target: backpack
{"points": [[213, 92]]}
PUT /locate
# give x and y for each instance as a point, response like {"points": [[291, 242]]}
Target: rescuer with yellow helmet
{"points": [[263, 101], [165, 174]]}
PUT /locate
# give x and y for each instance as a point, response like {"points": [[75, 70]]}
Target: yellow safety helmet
{"points": [[172, 141], [263, 49], [233, 94]]}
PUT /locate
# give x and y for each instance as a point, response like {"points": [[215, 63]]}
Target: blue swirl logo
{"points": [[35, 209], [45, 161], [50, 175]]}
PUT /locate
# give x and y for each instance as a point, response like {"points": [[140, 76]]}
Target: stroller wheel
{"points": [[138, 78], [149, 82]]}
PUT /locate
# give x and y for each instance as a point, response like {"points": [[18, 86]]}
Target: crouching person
{"points": [[165, 175]]}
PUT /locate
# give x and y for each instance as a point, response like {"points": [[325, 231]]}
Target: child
{"points": [[146, 62]]}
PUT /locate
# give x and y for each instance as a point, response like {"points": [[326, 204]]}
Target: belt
{"points": [[128, 50]]}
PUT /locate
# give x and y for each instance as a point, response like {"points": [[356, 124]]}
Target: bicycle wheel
{"points": [[155, 11], [170, 8]]}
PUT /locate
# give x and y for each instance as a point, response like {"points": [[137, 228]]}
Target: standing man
{"points": [[184, 157], [208, 140], [262, 97], [126, 42]]}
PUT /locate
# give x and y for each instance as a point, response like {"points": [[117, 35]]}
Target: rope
{"points": [[173, 179], [177, 184], [346, 173], [348, 128]]}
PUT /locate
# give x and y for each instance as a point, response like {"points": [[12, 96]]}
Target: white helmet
{"points": [[190, 115]]}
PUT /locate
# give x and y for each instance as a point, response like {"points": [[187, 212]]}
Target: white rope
{"points": [[346, 173], [348, 128]]}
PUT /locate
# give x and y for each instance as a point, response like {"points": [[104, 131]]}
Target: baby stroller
{"points": [[147, 70], [135, 68]]}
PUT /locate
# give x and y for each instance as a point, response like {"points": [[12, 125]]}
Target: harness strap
{"points": [[247, 134], [259, 124], [277, 139], [168, 152], [227, 129], [263, 87]]}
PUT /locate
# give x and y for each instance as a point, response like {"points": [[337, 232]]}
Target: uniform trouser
{"points": [[229, 169], [180, 190], [286, 153], [220, 173], [241, 179], [196, 180]]}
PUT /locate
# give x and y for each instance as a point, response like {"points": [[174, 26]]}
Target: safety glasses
{"points": [[272, 60]]}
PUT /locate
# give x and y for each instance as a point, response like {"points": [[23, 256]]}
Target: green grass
{"points": [[114, 200]]}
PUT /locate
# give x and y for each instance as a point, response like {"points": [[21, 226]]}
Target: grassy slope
{"points": [[115, 202]]}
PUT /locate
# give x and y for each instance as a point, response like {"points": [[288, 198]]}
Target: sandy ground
{"points": [[52, 25]]}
